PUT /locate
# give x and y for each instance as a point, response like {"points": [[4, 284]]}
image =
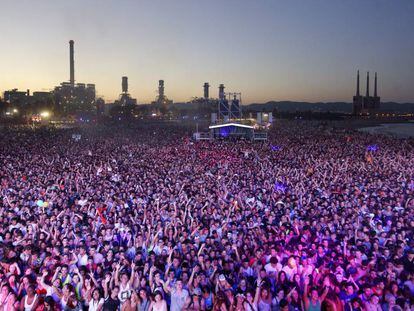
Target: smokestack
{"points": [[221, 91], [125, 85], [357, 91], [161, 88], [367, 84], [206, 86], [72, 63], [375, 86]]}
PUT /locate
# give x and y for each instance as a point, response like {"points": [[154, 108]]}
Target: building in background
{"points": [[365, 105], [124, 98], [71, 97], [100, 107], [161, 100], [17, 98]]}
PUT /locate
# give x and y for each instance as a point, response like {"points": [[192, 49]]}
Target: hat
{"points": [[222, 277]]}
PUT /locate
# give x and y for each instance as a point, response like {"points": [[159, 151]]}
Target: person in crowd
{"points": [[139, 217]]}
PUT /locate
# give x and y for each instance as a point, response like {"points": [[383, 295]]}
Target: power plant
{"points": [[125, 85], [206, 90], [124, 98], [72, 62], [161, 99], [221, 92], [365, 105], [229, 105], [71, 98]]}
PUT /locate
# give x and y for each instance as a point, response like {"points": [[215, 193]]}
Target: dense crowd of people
{"points": [[142, 218]]}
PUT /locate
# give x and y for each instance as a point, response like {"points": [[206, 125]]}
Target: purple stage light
{"points": [[372, 148], [280, 187]]}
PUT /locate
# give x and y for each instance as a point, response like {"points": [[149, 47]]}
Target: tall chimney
{"points": [[161, 89], [72, 63], [125, 85], [357, 91], [221, 91], [375, 86], [206, 86], [367, 84]]}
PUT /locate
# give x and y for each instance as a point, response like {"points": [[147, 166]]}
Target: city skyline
{"points": [[268, 50]]}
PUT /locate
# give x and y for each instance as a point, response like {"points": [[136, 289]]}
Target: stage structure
{"points": [[231, 130], [228, 122], [229, 106]]}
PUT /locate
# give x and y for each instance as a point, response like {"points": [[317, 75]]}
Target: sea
{"points": [[400, 130]]}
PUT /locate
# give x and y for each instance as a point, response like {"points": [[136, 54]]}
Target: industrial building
{"points": [[365, 105], [71, 97], [100, 107], [19, 103], [18, 98], [124, 98], [161, 99]]}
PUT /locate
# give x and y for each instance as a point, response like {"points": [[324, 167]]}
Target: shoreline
{"points": [[398, 130]]}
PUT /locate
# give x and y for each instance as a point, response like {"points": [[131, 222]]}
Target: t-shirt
{"points": [[50, 291], [93, 305], [345, 297], [178, 299], [98, 258], [272, 271], [289, 271], [82, 260]]}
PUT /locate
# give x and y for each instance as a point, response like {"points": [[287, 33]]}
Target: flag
{"points": [[100, 213], [369, 158]]}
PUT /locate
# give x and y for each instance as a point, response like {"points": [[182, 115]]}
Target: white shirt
{"points": [[289, 271], [273, 270], [93, 306], [82, 260]]}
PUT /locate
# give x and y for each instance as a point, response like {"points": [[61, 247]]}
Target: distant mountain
{"points": [[339, 107]]}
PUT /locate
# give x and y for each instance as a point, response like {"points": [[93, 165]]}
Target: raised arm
{"points": [[56, 274], [105, 285], [166, 286], [257, 294], [42, 280], [305, 293], [151, 276], [325, 292], [131, 279], [190, 281], [118, 266]]}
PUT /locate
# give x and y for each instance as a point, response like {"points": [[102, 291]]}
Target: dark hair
{"points": [[49, 300], [157, 292], [283, 303]]}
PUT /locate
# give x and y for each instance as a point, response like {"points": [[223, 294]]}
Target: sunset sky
{"points": [[305, 50]]}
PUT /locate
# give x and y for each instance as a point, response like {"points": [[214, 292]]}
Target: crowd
{"points": [[142, 218]]}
